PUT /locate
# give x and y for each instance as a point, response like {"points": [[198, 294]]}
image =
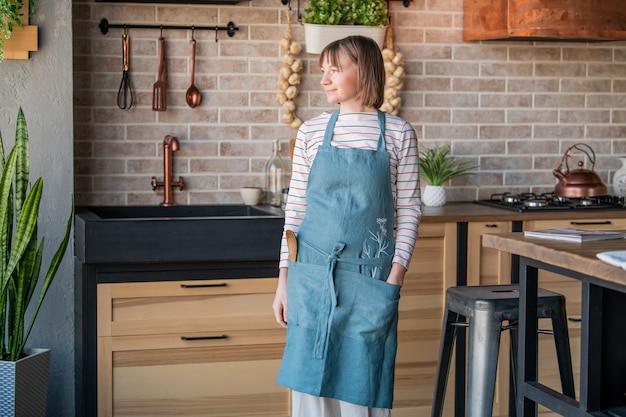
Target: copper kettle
{"points": [[579, 182]]}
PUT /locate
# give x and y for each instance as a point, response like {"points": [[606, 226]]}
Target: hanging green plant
{"points": [[10, 17], [346, 12]]}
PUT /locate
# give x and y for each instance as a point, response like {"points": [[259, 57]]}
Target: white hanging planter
{"points": [[318, 36], [434, 196]]}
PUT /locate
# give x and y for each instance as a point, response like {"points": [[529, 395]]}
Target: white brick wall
{"points": [[512, 107]]}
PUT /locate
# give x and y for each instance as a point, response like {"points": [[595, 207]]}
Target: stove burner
{"points": [[535, 203], [586, 202], [549, 201], [510, 199]]}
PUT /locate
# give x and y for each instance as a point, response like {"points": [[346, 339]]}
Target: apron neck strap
{"points": [[330, 127]]}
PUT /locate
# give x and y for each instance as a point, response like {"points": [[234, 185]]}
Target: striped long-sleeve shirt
{"points": [[361, 130]]}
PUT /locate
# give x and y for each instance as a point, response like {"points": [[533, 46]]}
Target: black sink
{"points": [[152, 212], [148, 234]]}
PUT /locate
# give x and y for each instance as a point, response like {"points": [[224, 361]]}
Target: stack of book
{"points": [[576, 235]]}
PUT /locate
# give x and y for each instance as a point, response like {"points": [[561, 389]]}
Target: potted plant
{"points": [[10, 17], [21, 258], [328, 20], [437, 167]]}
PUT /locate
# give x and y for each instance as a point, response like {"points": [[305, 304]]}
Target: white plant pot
{"points": [[318, 36], [434, 196], [24, 384]]}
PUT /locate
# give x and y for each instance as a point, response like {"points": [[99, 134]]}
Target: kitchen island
{"points": [[603, 323]]}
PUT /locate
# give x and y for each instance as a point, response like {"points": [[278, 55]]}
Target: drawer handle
{"points": [[221, 284], [491, 226], [590, 223], [223, 336]]}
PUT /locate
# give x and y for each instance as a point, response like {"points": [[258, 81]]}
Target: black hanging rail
{"points": [[104, 26]]}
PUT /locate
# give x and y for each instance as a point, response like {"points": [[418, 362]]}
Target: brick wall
{"points": [[511, 107]]}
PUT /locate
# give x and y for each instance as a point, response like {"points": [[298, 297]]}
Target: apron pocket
{"points": [[307, 294], [367, 308]]}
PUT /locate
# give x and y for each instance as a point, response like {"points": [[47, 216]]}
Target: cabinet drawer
{"points": [[600, 223], [202, 389], [186, 308]]}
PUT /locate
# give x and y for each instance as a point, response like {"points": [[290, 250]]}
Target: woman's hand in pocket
{"points": [[396, 276], [280, 299]]}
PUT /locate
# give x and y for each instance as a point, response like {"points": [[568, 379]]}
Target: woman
{"points": [[354, 171]]}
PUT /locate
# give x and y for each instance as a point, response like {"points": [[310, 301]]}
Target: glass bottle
{"points": [[274, 177]]}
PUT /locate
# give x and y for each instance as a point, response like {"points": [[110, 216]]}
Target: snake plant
{"points": [[20, 253], [437, 166]]}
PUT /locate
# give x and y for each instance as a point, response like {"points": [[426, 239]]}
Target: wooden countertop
{"points": [[468, 212], [580, 257]]}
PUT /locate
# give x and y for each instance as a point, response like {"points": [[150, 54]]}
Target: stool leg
{"points": [[448, 333], [563, 353], [484, 343]]}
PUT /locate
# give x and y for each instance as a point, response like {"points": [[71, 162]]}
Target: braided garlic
{"points": [[394, 70], [289, 77]]}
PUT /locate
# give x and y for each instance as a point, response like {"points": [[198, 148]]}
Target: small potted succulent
{"points": [[11, 12], [437, 167], [329, 20]]}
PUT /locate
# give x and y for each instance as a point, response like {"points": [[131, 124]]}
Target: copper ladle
{"points": [[193, 95]]}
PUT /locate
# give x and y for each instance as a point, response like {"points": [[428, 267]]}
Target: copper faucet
{"points": [[170, 145]]}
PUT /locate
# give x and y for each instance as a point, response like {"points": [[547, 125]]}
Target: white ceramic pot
{"points": [[619, 179], [434, 195], [318, 36]]}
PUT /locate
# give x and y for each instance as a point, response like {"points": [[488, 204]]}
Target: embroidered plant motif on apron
{"points": [[342, 315]]}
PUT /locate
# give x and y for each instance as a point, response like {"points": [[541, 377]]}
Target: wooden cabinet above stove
{"points": [[570, 20]]}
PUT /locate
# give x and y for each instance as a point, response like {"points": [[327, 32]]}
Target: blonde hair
{"points": [[365, 53]]}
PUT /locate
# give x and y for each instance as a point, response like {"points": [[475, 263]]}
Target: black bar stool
{"points": [[487, 307]]}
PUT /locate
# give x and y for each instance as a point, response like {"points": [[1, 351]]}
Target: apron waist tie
{"points": [[323, 330]]}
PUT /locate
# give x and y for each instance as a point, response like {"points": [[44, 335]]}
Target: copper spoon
{"points": [[193, 95]]}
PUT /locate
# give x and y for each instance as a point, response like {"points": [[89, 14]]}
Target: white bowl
{"points": [[251, 195]]}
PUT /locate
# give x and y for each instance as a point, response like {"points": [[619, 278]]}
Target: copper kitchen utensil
{"points": [[193, 95], [581, 182], [125, 92], [159, 91], [292, 245]]}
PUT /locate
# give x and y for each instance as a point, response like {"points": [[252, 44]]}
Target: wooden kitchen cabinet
{"points": [[421, 314], [143, 364], [145, 368], [193, 348]]}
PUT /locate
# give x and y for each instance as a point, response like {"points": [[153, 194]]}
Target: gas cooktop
{"points": [[525, 202]]}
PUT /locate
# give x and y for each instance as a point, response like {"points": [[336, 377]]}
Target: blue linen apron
{"points": [[342, 316]]}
